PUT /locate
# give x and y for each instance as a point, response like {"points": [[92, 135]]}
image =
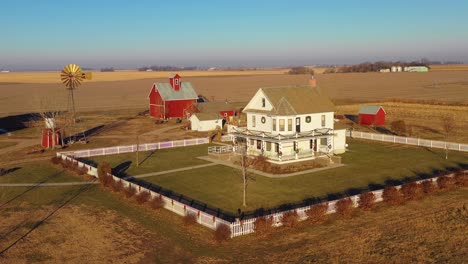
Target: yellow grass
{"points": [[450, 67], [53, 77]]}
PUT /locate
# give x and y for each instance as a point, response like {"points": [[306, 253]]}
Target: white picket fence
{"points": [[238, 228], [408, 140]]}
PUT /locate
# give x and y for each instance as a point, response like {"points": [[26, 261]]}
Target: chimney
{"points": [[312, 81]]}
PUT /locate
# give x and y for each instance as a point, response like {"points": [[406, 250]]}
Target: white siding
{"points": [[205, 125], [267, 127], [339, 141], [256, 102]]}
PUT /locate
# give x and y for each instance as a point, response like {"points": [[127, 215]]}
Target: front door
{"points": [[298, 124]]}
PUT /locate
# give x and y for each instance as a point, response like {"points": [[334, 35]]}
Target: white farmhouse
{"points": [[288, 124]]}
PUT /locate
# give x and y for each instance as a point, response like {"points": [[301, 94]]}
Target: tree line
{"points": [[167, 68], [372, 67]]}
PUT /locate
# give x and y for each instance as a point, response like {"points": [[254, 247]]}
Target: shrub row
{"points": [[345, 208], [69, 165]]}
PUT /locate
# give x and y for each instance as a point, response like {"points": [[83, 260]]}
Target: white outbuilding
{"points": [[205, 121]]}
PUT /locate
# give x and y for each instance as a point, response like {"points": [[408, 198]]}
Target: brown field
{"points": [[450, 67], [125, 75], [445, 86]]}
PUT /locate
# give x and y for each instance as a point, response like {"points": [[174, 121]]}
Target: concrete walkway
{"points": [[96, 182], [269, 175]]}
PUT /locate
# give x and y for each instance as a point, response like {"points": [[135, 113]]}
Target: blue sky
{"points": [[48, 34]]}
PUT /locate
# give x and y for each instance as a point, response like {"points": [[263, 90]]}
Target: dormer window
{"points": [[263, 102]]}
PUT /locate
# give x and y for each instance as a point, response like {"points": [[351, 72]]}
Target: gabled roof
{"points": [[213, 107], [168, 93], [295, 101], [370, 109], [207, 116]]}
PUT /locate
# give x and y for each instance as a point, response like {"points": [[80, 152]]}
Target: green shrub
{"points": [[290, 219], [344, 207], [263, 225], [366, 201], [317, 214], [222, 233], [392, 196]]}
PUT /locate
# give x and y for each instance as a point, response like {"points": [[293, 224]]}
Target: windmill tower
{"points": [[72, 76]]}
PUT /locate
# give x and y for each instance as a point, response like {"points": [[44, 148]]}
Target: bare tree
{"points": [[245, 162], [448, 125]]}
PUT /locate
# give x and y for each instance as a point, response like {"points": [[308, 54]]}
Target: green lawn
{"points": [[154, 161], [368, 165], [37, 172]]}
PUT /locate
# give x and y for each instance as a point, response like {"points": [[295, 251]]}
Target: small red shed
{"points": [[171, 100], [48, 139], [372, 115]]}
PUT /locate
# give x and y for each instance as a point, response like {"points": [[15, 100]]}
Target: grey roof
{"points": [[295, 100], [370, 109], [168, 93]]}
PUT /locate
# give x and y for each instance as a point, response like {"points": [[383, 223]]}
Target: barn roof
{"points": [[207, 116], [168, 93], [295, 100], [370, 109]]}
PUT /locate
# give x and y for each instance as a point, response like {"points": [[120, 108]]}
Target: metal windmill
{"points": [[72, 76]]}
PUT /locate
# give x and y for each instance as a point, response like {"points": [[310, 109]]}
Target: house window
{"points": [[323, 121], [295, 145], [268, 146], [252, 142], [276, 147], [311, 144], [259, 144], [289, 124], [263, 102], [323, 141], [274, 124], [308, 119], [281, 125], [253, 121]]}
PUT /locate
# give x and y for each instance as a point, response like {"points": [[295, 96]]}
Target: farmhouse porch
{"points": [[284, 149]]}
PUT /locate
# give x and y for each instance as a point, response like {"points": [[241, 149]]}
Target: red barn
{"points": [[372, 115], [171, 100]]}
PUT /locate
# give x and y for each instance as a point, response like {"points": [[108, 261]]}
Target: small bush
{"points": [[263, 225], [157, 202], [66, 164], [344, 207], [56, 160], [317, 214], [82, 171], [366, 201], [445, 183], [130, 191], [290, 219], [412, 191], [190, 219], [103, 170], [428, 187], [461, 179], [118, 186], [222, 233], [392, 196], [398, 127], [143, 197], [3, 171]]}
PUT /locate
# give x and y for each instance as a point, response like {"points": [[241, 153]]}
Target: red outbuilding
{"points": [[48, 138], [171, 100], [372, 115]]}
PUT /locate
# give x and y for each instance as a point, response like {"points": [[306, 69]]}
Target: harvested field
{"points": [[445, 86]]}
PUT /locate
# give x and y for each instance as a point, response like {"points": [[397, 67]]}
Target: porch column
{"points": [[263, 146], [280, 151], [296, 147]]}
